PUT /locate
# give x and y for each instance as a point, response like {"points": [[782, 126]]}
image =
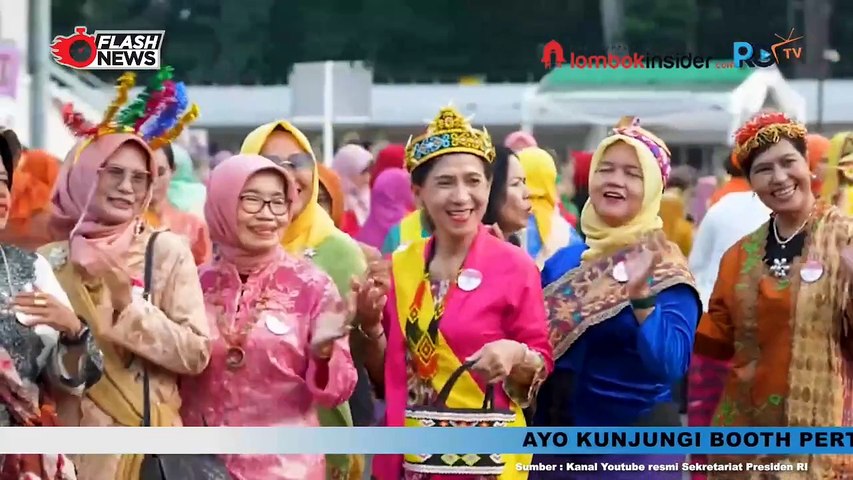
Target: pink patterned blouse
{"points": [[279, 383]]}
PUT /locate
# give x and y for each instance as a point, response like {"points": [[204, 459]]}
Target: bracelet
{"points": [[644, 303], [81, 337], [367, 335]]}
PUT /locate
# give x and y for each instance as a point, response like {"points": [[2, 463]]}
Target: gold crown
{"points": [[450, 132]]}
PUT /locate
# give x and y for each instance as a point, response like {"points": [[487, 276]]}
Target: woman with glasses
{"points": [[101, 194], [162, 213], [312, 234], [278, 325], [44, 347]]}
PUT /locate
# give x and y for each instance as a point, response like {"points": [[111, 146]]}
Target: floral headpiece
{"points": [[630, 127], [764, 129], [450, 132], [158, 114]]}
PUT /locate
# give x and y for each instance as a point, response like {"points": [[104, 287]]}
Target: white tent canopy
{"points": [[680, 114]]}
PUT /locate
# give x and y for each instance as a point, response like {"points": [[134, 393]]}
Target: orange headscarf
{"points": [[817, 151], [332, 183], [32, 188], [734, 185]]}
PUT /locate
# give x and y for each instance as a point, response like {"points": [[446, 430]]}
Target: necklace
{"points": [[778, 238], [235, 335]]}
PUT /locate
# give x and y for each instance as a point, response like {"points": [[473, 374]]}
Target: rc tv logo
{"points": [[746, 54], [109, 49]]}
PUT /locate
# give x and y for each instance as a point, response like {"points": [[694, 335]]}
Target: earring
{"points": [[139, 227]]}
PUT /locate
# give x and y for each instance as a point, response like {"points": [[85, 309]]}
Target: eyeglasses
{"points": [[139, 180], [252, 205], [297, 161]]}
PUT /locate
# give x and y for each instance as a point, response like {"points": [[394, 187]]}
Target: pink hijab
{"points": [[705, 188], [223, 199], [94, 246], [350, 162], [518, 141], [391, 200]]}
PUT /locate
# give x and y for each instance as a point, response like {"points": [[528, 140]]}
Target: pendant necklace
{"points": [[781, 267], [783, 243], [234, 335]]}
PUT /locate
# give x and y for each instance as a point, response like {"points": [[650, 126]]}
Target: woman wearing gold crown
{"points": [[781, 307], [623, 308], [461, 301], [102, 191]]}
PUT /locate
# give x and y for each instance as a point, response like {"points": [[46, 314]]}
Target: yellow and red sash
{"points": [[408, 268]]}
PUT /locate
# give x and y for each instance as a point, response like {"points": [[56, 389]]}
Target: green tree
{"points": [[258, 41]]}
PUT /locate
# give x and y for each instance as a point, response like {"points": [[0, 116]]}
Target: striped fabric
{"points": [[706, 380]]}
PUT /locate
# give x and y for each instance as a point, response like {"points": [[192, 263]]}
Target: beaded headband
{"points": [[630, 127], [449, 132], [765, 129], [158, 114]]}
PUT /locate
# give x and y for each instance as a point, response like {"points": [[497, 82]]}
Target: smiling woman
{"points": [[100, 196], [623, 308], [294, 353], [459, 301], [801, 258], [311, 233]]}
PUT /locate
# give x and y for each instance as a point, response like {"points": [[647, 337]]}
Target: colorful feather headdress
{"points": [[158, 114]]}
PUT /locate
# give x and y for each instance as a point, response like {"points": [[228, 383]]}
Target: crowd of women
{"points": [[445, 282]]}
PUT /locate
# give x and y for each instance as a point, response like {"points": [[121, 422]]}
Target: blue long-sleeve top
{"points": [[534, 240], [620, 368]]}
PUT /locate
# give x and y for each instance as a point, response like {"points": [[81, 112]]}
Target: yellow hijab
{"points": [[541, 172], [313, 225], [603, 239], [839, 162]]}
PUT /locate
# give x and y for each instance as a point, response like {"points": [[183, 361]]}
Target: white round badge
{"points": [[620, 272], [275, 326], [811, 271], [469, 279]]}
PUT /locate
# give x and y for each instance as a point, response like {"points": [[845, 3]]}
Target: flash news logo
{"points": [[109, 49]]}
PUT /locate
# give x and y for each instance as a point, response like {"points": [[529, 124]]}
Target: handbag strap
{"points": [[444, 394], [146, 295]]}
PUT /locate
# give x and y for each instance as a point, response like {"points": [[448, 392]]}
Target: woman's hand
{"points": [[496, 359], [371, 294], [45, 309], [332, 326], [118, 282], [639, 267]]}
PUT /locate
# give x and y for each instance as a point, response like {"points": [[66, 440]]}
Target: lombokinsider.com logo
{"points": [[553, 56]]}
